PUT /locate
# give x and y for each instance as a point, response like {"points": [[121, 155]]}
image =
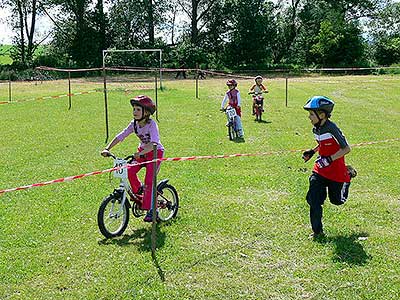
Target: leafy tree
{"points": [[385, 34], [338, 44], [288, 26], [25, 13], [130, 27], [253, 32], [199, 13]]}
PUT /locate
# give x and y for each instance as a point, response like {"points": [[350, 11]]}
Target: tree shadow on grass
{"points": [[348, 248]]}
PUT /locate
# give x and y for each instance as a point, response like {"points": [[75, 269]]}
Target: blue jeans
{"points": [[238, 126]]}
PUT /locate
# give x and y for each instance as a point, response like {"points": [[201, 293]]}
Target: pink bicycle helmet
{"points": [[145, 102], [232, 82]]}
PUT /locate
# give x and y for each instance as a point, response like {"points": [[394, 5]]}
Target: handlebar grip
{"points": [[129, 157]]}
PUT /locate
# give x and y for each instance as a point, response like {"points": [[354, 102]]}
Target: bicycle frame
{"points": [[124, 185], [231, 115]]}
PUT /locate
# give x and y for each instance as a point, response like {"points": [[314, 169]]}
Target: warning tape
{"points": [[226, 74], [47, 97], [70, 178], [138, 87]]}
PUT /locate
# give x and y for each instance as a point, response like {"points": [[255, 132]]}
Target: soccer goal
{"points": [[130, 63]]}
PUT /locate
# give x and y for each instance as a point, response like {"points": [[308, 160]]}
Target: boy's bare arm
{"points": [[341, 152]]}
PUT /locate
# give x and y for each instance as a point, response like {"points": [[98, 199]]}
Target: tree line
{"points": [[219, 34]]}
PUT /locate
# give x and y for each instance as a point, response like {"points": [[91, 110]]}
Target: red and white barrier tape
{"points": [[226, 74], [70, 178], [47, 97], [137, 87]]}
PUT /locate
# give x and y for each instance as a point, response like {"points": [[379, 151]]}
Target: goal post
{"points": [[106, 52], [110, 51]]}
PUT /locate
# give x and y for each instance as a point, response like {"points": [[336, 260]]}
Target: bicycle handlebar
{"points": [[259, 93], [128, 158]]}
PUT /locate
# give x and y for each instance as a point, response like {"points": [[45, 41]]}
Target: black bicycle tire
{"points": [[176, 196], [100, 218]]}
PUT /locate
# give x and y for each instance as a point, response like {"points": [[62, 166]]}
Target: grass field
{"points": [[242, 230], [5, 50]]}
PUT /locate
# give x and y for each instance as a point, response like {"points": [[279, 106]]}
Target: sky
{"points": [[6, 34]]}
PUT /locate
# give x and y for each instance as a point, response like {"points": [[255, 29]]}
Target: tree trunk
{"points": [[194, 20], [21, 39], [150, 11], [31, 32]]}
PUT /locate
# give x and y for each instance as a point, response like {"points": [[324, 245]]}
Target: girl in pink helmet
{"points": [[232, 98], [146, 130], [257, 88]]}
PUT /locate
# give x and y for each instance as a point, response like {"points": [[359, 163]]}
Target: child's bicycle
{"points": [[233, 131], [258, 104], [113, 214]]}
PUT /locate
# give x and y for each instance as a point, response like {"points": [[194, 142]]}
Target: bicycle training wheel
{"points": [[168, 202], [112, 217]]}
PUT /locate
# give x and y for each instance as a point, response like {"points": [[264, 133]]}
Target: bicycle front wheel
{"points": [[113, 217], [259, 113], [168, 202], [230, 132]]}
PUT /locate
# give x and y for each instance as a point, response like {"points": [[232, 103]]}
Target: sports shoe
{"points": [[149, 216], [317, 236], [352, 172], [140, 190]]}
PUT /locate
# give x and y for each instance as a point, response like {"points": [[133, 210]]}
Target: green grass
{"points": [[5, 58], [242, 227]]}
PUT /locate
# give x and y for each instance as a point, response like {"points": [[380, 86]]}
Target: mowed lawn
{"points": [[242, 230]]}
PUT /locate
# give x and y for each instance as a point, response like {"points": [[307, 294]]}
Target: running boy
{"points": [[147, 131], [329, 172], [232, 98], [258, 88]]}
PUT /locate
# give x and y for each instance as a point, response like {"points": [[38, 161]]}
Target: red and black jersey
{"points": [[330, 140]]}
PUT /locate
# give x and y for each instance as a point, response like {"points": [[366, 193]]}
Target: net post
{"points": [[286, 101], [156, 92], [105, 93], [9, 87], [154, 204], [197, 81], [69, 90]]}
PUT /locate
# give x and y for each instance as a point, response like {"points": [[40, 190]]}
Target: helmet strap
{"points": [[318, 124]]}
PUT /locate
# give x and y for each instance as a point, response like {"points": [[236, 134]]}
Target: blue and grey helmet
{"points": [[320, 103]]}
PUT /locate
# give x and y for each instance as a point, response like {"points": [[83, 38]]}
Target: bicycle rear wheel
{"points": [[112, 217], [167, 202]]}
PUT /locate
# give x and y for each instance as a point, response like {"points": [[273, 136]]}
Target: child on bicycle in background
{"points": [[232, 98], [330, 172], [146, 130], [257, 88]]}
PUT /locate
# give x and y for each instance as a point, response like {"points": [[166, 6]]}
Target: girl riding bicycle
{"points": [[257, 88], [232, 98], [146, 130]]}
